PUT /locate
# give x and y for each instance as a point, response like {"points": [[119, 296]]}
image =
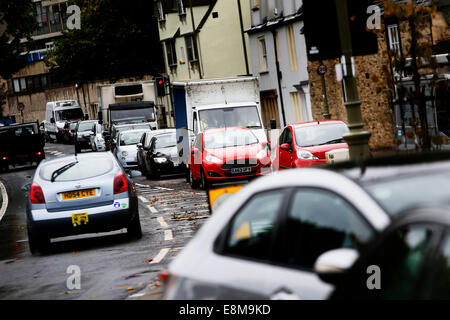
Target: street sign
{"points": [[20, 106], [322, 69]]}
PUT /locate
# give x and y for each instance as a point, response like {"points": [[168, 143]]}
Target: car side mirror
{"points": [[285, 147], [331, 265]]}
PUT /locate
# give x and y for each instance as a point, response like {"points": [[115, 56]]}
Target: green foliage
{"points": [[117, 39], [17, 16]]}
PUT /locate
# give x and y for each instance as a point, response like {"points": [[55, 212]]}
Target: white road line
{"points": [[162, 222], [168, 235], [160, 256], [152, 209], [4, 202], [143, 199], [161, 188], [142, 185]]}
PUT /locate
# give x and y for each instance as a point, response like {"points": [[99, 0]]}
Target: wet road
{"points": [[112, 266]]}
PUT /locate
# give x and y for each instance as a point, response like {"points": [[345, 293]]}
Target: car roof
{"points": [[89, 155], [315, 123]]}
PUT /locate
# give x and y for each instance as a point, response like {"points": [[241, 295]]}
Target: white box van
{"points": [[56, 115]]}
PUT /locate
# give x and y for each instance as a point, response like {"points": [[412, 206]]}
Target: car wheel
{"points": [[134, 228], [37, 242], [205, 184], [192, 181]]}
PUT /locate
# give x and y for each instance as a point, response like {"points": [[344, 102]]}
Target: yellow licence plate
{"points": [[79, 194], [79, 218]]}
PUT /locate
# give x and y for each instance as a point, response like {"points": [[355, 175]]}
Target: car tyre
{"points": [[205, 183], [37, 242], [134, 228], [194, 183]]}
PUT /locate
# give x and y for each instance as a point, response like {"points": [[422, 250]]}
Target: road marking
{"points": [[142, 185], [162, 222], [143, 199], [161, 188], [160, 256], [4, 202], [168, 235], [152, 209]]}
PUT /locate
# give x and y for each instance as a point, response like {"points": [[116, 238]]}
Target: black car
{"points": [[144, 146], [410, 260], [83, 133], [162, 156]]}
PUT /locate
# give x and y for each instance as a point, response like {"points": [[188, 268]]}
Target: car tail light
{"points": [[168, 279], [36, 194], [120, 183], [5, 158], [39, 153]]}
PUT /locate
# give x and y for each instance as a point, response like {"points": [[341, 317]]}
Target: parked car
{"points": [[144, 147], [68, 136], [77, 194], [117, 128], [305, 144], [264, 241], [412, 258], [97, 140], [83, 133], [162, 157], [220, 155], [126, 148]]}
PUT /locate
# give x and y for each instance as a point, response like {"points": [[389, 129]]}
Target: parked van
{"points": [[56, 115]]}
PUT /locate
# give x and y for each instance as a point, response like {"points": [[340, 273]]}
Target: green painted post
{"points": [[358, 138]]}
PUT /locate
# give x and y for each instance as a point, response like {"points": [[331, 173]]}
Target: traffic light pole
{"points": [[358, 138]]}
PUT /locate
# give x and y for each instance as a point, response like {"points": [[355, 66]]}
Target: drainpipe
{"points": [[280, 92]]}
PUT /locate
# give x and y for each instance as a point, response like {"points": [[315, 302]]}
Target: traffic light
{"points": [[161, 86], [322, 30]]}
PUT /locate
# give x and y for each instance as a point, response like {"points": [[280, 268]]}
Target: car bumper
{"points": [[100, 219], [215, 172], [169, 168], [308, 163]]}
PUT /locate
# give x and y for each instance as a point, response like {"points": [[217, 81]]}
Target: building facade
{"points": [[278, 55]]}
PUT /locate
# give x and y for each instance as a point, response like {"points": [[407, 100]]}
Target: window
{"points": [[191, 48], [252, 229], [297, 106], [394, 39], [286, 137], [319, 221], [255, 5], [277, 44], [171, 53], [161, 14], [195, 123], [263, 67], [181, 9], [16, 85], [292, 48]]}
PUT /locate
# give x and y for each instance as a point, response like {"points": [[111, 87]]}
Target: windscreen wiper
{"points": [[332, 141], [61, 170]]}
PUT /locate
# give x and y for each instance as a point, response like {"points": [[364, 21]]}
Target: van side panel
{"points": [[181, 122]]}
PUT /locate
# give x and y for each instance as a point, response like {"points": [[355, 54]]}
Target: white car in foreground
{"points": [[275, 237]]}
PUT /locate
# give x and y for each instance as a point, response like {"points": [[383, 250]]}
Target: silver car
{"points": [[126, 148], [87, 193]]}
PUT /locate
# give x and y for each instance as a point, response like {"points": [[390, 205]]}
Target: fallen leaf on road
{"points": [[149, 260], [130, 289]]}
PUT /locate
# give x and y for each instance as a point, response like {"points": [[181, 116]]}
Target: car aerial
{"points": [[125, 148], [144, 147], [83, 133], [162, 156], [97, 139], [412, 258], [220, 155], [76, 194], [305, 144], [117, 128], [264, 241]]}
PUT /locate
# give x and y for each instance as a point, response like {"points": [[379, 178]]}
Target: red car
{"points": [[305, 144], [219, 155]]}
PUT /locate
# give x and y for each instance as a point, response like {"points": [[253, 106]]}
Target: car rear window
{"points": [[85, 168], [406, 192]]}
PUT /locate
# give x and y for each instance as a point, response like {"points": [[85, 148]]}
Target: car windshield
{"points": [[130, 138], [246, 117], [166, 141], [320, 134], [69, 114], [409, 191], [73, 125], [133, 127], [85, 126], [83, 168], [228, 138], [140, 114]]}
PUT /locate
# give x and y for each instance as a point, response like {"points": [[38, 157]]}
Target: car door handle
{"points": [[284, 294]]}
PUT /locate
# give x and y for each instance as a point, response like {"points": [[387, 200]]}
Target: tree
{"points": [[418, 60], [16, 22], [117, 39]]}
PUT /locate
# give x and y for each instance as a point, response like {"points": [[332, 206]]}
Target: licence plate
{"points": [[79, 218], [79, 194], [241, 170], [22, 156]]}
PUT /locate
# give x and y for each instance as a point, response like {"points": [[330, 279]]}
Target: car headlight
{"points": [[306, 155], [212, 159], [261, 155], [160, 160], [124, 153]]}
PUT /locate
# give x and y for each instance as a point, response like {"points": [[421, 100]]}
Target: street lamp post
{"points": [[358, 138], [326, 109]]}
